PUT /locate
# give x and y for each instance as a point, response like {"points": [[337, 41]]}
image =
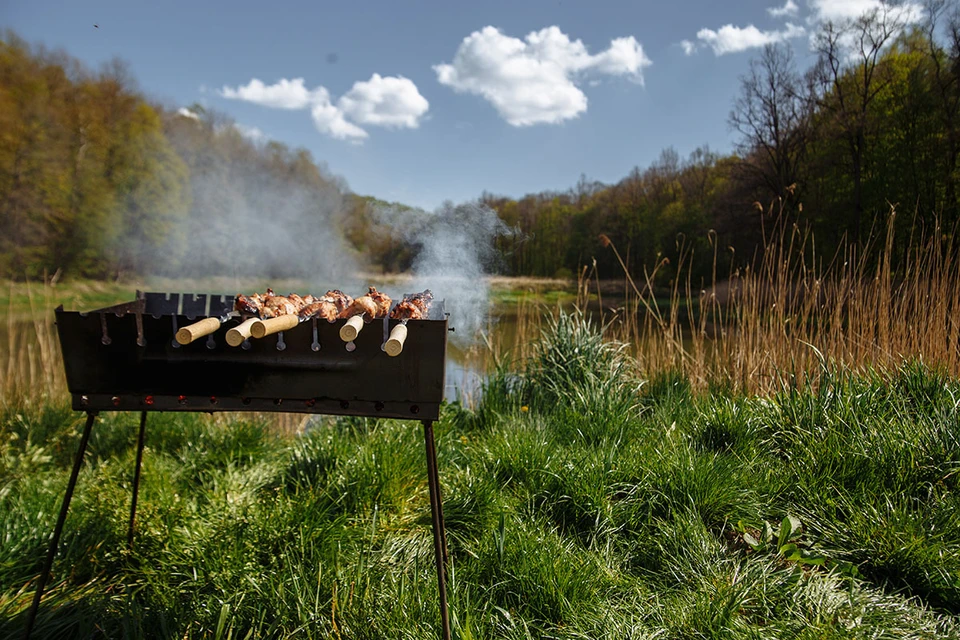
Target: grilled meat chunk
{"points": [[275, 306], [339, 298], [322, 309], [414, 306], [249, 305], [372, 305], [327, 307]]}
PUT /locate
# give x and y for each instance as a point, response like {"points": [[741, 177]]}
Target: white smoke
{"points": [[257, 213], [455, 251]]}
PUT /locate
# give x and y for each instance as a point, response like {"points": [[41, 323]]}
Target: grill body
{"points": [[125, 358]]}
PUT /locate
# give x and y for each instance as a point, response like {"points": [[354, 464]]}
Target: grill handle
{"points": [[241, 332], [191, 332], [262, 328], [351, 328], [394, 344]]}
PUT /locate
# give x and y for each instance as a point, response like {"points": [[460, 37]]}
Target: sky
{"points": [[424, 102]]}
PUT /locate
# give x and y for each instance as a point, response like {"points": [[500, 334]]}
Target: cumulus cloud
{"points": [[841, 10], [534, 80], [186, 113], [689, 48], [731, 39], [790, 9], [330, 120], [389, 101], [285, 94], [385, 102]]}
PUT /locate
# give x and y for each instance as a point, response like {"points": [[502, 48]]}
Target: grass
{"points": [[579, 502]]}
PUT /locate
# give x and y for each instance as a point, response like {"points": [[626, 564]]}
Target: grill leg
{"points": [[58, 529], [136, 478], [439, 531]]}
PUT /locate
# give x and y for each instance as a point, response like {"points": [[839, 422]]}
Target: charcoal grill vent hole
{"points": [[311, 402], [379, 406], [116, 401], [278, 401], [344, 404], [245, 400], [414, 408]]}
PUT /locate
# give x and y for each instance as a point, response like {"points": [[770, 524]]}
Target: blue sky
{"points": [[444, 117]]}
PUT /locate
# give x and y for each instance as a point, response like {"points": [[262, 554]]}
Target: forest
{"points": [[99, 181]]}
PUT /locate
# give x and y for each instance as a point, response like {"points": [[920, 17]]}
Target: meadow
{"points": [[775, 464]]}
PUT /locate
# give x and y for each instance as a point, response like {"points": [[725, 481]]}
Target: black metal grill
{"points": [[126, 358]]}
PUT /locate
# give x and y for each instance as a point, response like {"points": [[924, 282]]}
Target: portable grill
{"points": [[127, 358]]}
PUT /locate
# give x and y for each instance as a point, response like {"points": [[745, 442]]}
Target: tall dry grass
{"points": [[31, 365], [794, 310]]}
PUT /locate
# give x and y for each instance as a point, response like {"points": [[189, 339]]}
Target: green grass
{"points": [[580, 503]]}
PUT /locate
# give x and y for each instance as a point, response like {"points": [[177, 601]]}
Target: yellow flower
{"points": [[524, 408]]}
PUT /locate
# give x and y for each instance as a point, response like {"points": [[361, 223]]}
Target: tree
{"points": [[847, 79], [769, 114], [946, 84]]}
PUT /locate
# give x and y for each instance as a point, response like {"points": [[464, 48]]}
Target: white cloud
{"points": [[790, 9], [253, 134], [689, 48], [285, 94], [381, 101], [534, 81], [330, 120], [186, 113], [731, 39], [841, 10], [386, 102]]}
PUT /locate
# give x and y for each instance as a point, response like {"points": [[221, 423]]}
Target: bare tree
{"points": [[946, 86], [769, 114], [847, 78]]}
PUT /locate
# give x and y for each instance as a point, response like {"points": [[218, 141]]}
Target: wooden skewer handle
{"points": [[262, 328], [395, 343], [351, 329], [191, 332], [241, 332]]}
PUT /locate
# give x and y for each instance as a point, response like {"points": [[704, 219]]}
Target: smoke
{"points": [[258, 212], [454, 249]]}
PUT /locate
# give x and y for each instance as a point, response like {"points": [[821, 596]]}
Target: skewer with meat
{"points": [[363, 309], [414, 306], [267, 305], [271, 314]]}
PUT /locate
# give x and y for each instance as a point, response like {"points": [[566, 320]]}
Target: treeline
{"points": [[874, 123]]}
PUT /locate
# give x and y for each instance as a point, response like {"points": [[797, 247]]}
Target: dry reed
{"points": [[790, 313]]}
